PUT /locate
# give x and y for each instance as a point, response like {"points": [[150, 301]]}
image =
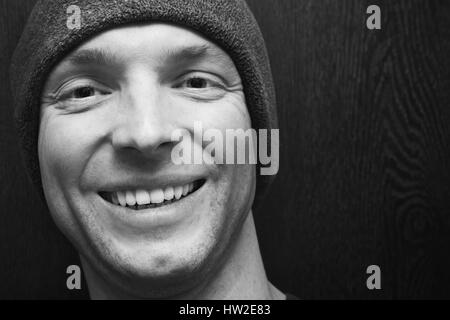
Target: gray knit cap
{"points": [[47, 39]]}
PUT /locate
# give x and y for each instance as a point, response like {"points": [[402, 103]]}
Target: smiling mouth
{"points": [[141, 199]]}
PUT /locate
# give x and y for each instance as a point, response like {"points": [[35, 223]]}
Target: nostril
{"points": [[147, 137]]}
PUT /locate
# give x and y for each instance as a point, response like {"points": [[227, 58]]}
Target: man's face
{"points": [[107, 115]]}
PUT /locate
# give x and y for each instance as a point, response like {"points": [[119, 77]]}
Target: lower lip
{"points": [[166, 215]]}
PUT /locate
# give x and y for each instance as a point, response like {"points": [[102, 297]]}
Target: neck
{"points": [[242, 275]]}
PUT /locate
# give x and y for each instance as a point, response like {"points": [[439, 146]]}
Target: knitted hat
{"points": [[47, 39]]}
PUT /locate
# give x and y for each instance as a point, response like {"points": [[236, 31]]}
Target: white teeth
{"points": [[185, 190], [157, 196], [114, 198], [169, 193], [121, 198], [130, 197], [142, 197], [178, 191]]}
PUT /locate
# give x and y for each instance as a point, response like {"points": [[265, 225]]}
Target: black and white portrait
{"points": [[224, 149]]}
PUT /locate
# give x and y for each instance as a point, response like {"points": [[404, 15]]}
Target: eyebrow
{"points": [[172, 56], [187, 53], [94, 56], [191, 54]]}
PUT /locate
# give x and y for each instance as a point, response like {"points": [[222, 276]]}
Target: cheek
{"points": [[234, 203], [64, 148], [228, 113], [232, 114], [245, 177]]}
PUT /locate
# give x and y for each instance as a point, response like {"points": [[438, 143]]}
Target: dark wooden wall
{"points": [[365, 156]]}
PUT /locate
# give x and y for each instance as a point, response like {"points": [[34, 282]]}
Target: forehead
{"points": [[156, 43]]}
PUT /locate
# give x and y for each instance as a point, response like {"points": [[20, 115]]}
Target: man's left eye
{"points": [[197, 83], [202, 86], [200, 81]]}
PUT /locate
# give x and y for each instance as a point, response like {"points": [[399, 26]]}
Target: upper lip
{"points": [[143, 183]]}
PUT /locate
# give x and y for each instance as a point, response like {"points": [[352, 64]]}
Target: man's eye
{"points": [[202, 86], [80, 93], [83, 92], [197, 83]]}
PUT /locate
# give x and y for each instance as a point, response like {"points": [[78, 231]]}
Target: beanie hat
{"points": [[47, 39]]}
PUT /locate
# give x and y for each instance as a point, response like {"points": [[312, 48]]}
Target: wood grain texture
{"points": [[364, 124], [364, 173]]}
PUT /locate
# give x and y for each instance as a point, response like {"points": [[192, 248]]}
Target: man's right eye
{"points": [[84, 92], [81, 90], [79, 94]]}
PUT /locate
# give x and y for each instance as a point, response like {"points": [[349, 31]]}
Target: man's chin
{"points": [[151, 275]]}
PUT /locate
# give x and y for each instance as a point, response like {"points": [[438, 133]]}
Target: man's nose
{"points": [[143, 122]]}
